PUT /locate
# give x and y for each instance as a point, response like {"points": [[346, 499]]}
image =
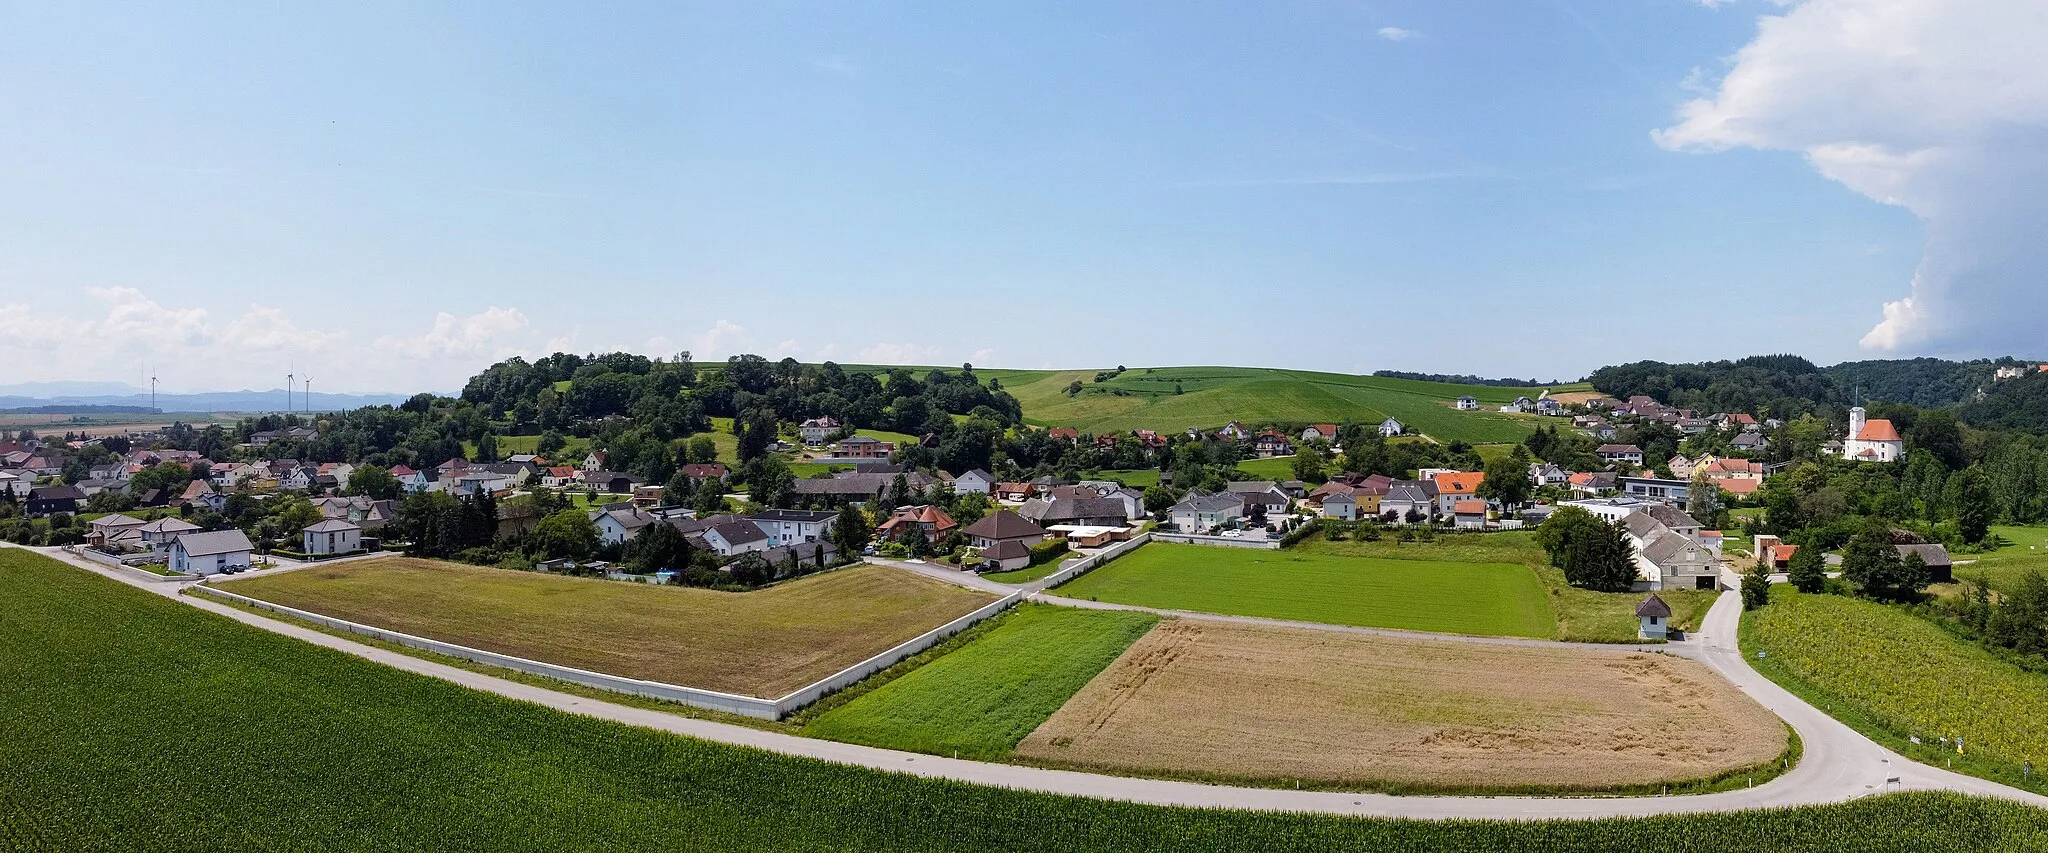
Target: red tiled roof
{"points": [[1878, 429], [1459, 482], [1469, 508]]}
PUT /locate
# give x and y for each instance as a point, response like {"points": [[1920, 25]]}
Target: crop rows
{"points": [[134, 723], [1905, 674]]}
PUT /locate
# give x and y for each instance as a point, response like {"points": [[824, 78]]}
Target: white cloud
{"points": [[900, 354], [1397, 34], [724, 338], [1936, 106], [981, 356]]}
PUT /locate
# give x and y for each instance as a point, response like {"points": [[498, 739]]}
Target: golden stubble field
{"points": [[762, 643], [1250, 702]]}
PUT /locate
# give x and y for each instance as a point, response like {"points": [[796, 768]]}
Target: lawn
{"points": [[2025, 548], [1028, 573], [1223, 701], [138, 724], [763, 643], [1582, 615], [980, 700], [574, 448], [1278, 468], [1210, 397], [1139, 478], [1501, 599], [1893, 676]]}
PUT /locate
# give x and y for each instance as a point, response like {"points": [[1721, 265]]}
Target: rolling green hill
{"points": [[1144, 398]]}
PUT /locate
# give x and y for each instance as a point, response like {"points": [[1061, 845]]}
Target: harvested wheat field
{"points": [[1210, 699], [766, 643]]}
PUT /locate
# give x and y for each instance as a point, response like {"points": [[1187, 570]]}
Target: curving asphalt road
{"points": [[1839, 764]]}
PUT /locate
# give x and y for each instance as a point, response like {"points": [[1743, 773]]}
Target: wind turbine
{"points": [[152, 387], [289, 381], [308, 399]]}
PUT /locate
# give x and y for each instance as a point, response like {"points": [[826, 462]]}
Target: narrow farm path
{"points": [[1839, 765]]}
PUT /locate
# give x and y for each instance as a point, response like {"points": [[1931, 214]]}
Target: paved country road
{"points": [[1838, 765]]}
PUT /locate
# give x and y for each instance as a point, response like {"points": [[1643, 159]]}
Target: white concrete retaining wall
{"points": [[748, 706], [1077, 568], [1223, 541]]}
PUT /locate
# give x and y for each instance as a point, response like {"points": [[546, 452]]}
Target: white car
{"points": [[1234, 534]]}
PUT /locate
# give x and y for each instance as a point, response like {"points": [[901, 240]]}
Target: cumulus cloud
{"points": [[886, 353], [1936, 106], [724, 338], [1397, 34], [191, 349]]}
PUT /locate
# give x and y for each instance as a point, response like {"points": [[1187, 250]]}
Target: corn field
{"points": [[129, 722]]}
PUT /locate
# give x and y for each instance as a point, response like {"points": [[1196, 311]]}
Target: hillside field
{"points": [[1213, 396], [762, 643], [980, 700], [131, 720], [1895, 676], [1501, 599]]}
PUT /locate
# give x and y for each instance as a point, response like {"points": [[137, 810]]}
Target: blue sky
{"points": [[401, 195]]}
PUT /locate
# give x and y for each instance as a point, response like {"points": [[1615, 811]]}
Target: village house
{"points": [[1013, 492], [735, 537], [1319, 432], [1066, 434], [1651, 615], [1547, 406], [1004, 539], [856, 487], [331, 537], [1204, 513], [789, 526], [50, 500], [16, 486], [159, 534], [210, 553], [1655, 488], [862, 447], [1390, 428], [933, 520], [1341, 505], [618, 523], [1548, 474], [818, 430], [1468, 403], [1469, 514], [1455, 486], [976, 481], [1272, 443], [1593, 483], [699, 472], [1622, 454], [1409, 501]]}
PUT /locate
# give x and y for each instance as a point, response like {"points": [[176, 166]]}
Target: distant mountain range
{"points": [[52, 396]]}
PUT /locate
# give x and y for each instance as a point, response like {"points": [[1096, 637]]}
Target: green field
{"points": [[1892, 675], [135, 723], [2024, 549], [574, 448], [1501, 599], [1140, 478], [1213, 396], [980, 700], [1582, 615]]}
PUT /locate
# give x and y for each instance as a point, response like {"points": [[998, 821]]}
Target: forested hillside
{"points": [[1786, 386]]}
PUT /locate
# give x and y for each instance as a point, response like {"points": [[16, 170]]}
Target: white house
{"points": [[816, 430], [735, 537], [793, 526], [1468, 403], [1627, 453], [1652, 614], [616, 526], [210, 553], [1871, 440], [1200, 513], [1391, 428], [409, 480], [333, 536], [159, 534], [977, 481], [16, 482], [1341, 506], [594, 461]]}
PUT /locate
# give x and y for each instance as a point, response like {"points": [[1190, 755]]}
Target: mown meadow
{"points": [[136, 723], [981, 700]]}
